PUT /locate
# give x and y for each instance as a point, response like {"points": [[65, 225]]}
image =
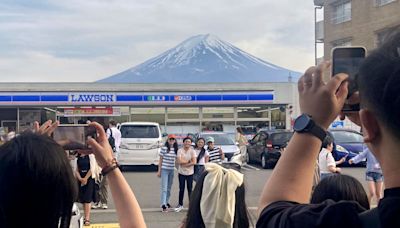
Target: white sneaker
{"points": [[178, 208], [104, 206], [96, 205]]}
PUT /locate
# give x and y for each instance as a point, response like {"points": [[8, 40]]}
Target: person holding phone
{"points": [[284, 201]]}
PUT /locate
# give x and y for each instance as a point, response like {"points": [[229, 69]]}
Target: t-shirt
{"points": [[326, 214], [116, 135], [202, 160], [186, 155], [169, 158], [329, 213], [214, 154], [325, 159]]}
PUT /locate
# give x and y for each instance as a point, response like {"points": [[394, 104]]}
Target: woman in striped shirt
{"points": [[215, 153], [166, 166]]}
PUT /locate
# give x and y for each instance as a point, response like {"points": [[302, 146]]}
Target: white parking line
{"points": [[249, 167]]}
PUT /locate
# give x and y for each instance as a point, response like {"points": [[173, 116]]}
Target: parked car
{"points": [[140, 143], [347, 143], [227, 144], [265, 145]]}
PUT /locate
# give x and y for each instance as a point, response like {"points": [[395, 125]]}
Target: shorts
{"points": [[373, 176]]}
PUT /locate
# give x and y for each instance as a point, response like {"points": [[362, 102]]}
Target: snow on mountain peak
{"points": [[204, 58]]}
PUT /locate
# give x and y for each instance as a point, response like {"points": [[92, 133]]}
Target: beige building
{"points": [[355, 22]]}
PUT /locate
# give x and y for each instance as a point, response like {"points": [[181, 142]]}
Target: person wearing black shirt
{"points": [[284, 201]]}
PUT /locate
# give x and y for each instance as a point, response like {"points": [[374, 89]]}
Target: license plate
{"points": [[139, 146]]}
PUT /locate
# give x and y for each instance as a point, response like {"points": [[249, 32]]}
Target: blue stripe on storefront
{"points": [[5, 98], [233, 97], [259, 97], [26, 98], [208, 97], [54, 98], [129, 98]]}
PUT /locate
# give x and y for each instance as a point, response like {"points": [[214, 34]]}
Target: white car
{"points": [[140, 143], [227, 144]]}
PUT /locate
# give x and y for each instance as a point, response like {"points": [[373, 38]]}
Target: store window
{"points": [[148, 115], [341, 12], [217, 112]]}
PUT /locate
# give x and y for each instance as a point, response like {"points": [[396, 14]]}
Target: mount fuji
{"points": [[204, 59]]}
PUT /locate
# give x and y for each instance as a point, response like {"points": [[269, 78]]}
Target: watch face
{"points": [[301, 122]]}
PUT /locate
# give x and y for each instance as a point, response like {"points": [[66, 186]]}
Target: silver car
{"points": [[227, 144]]}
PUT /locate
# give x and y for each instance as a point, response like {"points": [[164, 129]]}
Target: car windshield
{"points": [[139, 131], [347, 137], [220, 139], [281, 137]]}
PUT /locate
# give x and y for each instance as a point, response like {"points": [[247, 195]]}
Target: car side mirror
{"points": [[164, 134]]}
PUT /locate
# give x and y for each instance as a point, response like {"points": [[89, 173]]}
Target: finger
{"points": [[342, 116], [319, 73], [35, 126], [308, 75], [52, 127], [100, 130], [354, 99], [335, 82], [342, 92], [300, 85], [44, 126], [96, 147]]}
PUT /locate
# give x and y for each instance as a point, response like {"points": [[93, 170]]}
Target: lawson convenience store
{"points": [[178, 108]]}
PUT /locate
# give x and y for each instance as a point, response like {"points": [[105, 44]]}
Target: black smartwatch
{"points": [[305, 124]]}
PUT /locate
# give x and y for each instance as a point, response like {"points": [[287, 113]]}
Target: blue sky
{"points": [[75, 40]]}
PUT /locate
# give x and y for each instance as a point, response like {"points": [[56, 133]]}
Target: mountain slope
{"points": [[202, 59]]}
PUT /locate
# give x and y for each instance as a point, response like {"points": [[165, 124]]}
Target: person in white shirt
{"points": [[326, 162], [116, 134], [186, 159]]}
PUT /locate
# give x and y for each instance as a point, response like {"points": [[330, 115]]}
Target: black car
{"points": [[265, 146]]}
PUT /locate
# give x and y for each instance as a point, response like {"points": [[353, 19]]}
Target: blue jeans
{"points": [[167, 177]]}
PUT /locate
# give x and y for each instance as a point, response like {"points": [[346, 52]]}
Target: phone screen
{"points": [[73, 137], [348, 60]]}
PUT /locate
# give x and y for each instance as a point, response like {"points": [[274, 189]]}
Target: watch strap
{"points": [[317, 131]]}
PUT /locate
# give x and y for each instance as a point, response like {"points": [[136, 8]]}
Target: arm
{"points": [[222, 154], [359, 157], [159, 166], [128, 209], [294, 172]]}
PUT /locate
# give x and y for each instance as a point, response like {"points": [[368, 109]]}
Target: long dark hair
{"points": [[340, 187], [194, 218], [35, 173], [175, 146]]}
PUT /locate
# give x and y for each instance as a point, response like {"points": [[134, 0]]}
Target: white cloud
{"points": [[89, 40]]}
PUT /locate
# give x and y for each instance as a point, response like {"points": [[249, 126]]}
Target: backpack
{"points": [[111, 141]]}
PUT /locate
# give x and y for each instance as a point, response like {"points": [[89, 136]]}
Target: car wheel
{"points": [[264, 162], [248, 160]]}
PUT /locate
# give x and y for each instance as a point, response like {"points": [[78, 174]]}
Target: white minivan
{"points": [[140, 143]]}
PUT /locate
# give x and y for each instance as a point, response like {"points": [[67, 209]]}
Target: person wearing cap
{"points": [[166, 166], [216, 154]]}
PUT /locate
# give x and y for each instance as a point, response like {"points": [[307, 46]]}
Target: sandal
{"points": [[86, 222]]}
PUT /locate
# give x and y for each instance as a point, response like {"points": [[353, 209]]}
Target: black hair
{"points": [[239, 129], [36, 177], [379, 82], [340, 187], [112, 122], [327, 141], [187, 138], [194, 218], [175, 146]]}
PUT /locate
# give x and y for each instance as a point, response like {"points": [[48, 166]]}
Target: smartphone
{"points": [[74, 136], [348, 60]]}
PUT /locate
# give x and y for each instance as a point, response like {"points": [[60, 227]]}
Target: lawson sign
{"points": [[92, 98]]}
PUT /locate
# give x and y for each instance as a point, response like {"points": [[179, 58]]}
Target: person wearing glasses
{"points": [[166, 166]]}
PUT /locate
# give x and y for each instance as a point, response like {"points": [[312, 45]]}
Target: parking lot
{"points": [[146, 186]]}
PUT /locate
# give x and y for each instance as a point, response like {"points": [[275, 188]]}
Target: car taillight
{"points": [[269, 144]]}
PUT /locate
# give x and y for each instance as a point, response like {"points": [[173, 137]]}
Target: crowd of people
{"points": [[33, 167]]}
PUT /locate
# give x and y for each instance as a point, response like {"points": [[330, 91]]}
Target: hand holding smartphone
{"points": [[74, 136], [348, 60]]}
